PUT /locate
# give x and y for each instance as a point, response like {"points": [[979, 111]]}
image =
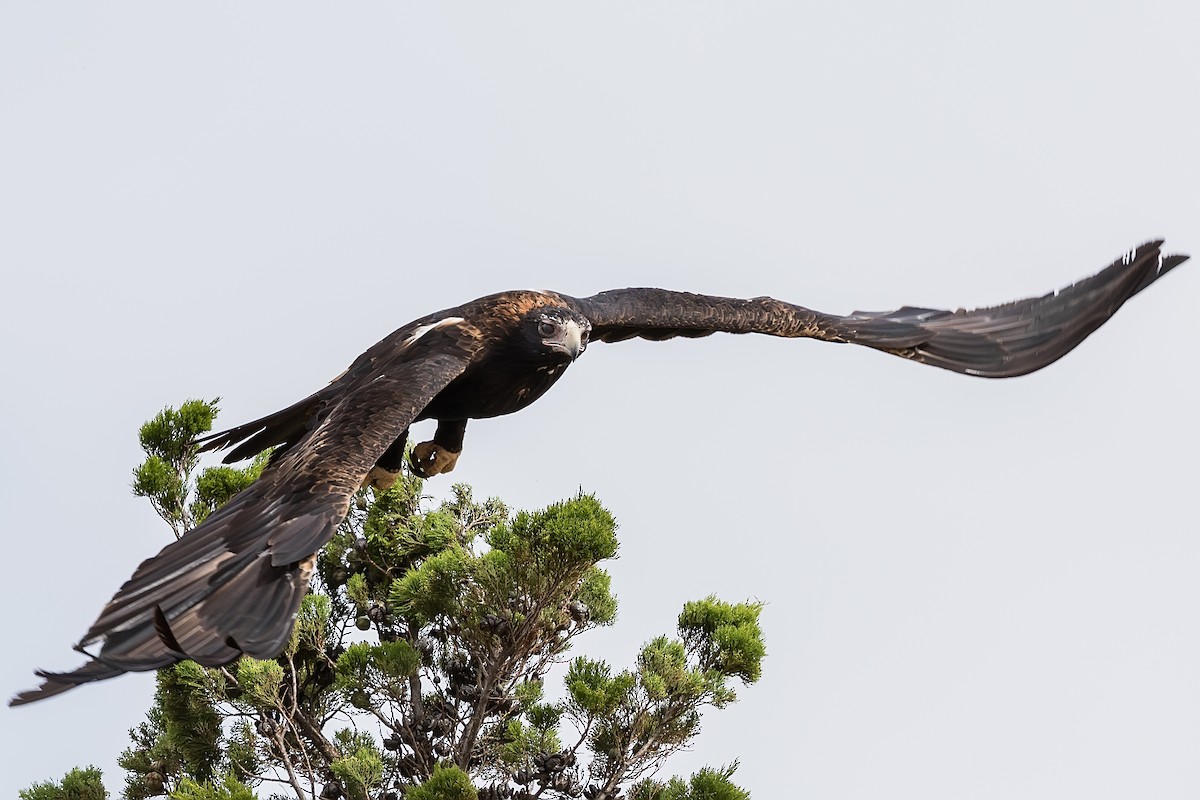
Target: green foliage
{"points": [[260, 682], [639, 718], [364, 664], [152, 756], [416, 667], [356, 590], [170, 434], [566, 533], [216, 485], [172, 455], [155, 478], [193, 726], [358, 771], [595, 593], [242, 751], [313, 625], [434, 588], [724, 637], [396, 659], [230, 788], [544, 717], [524, 742], [594, 690], [712, 784], [446, 783], [78, 784], [707, 784]]}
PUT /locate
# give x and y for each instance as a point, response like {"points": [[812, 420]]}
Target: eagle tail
{"points": [[58, 682], [230, 586]]}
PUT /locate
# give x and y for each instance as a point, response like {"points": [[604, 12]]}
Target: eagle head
{"points": [[558, 332]]}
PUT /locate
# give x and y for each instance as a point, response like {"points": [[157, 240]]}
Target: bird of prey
{"points": [[234, 583]]}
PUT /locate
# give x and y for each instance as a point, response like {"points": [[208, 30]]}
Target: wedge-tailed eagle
{"points": [[234, 583]]}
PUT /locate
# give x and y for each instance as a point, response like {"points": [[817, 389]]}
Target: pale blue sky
{"points": [[975, 589]]}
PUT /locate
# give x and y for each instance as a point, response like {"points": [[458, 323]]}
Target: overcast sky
{"points": [[975, 589]]}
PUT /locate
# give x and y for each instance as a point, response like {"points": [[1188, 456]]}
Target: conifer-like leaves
{"points": [[171, 434], [639, 718], [166, 476], [361, 768], [446, 783], [193, 725], [312, 629], [724, 637], [707, 784], [365, 664], [594, 690], [78, 784], [565, 534], [416, 667], [171, 455], [229, 788], [434, 588], [261, 682], [216, 485]]}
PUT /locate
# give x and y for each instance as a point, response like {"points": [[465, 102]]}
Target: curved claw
{"points": [[428, 459], [380, 479]]}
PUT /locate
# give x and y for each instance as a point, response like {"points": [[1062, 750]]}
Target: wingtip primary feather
{"points": [[1168, 263], [1163, 263]]}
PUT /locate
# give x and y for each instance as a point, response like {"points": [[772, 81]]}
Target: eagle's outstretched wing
{"points": [[234, 583], [999, 342]]}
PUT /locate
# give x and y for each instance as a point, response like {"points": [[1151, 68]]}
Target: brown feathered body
{"points": [[233, 584]]}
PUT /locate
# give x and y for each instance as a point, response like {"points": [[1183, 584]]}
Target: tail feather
{"points": [[234, 584], [226, 588], [58, 682]]}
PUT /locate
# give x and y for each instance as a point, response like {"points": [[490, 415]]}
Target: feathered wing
{"points": [[999, 342], [283, 429], [280, 430], [234, 583]]}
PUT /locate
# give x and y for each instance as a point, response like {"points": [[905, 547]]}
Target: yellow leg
{"points": [[428, 459]]}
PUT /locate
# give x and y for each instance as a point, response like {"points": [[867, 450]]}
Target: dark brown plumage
{"points": [[233, 584]]}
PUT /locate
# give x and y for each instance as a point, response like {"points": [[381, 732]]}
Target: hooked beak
{"points": [[573, 341]]}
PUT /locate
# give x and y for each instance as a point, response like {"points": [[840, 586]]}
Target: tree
{"points": [[418, 662], [78, 784]]}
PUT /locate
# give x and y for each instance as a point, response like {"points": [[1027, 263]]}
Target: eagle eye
{"points": [[546, 328]]}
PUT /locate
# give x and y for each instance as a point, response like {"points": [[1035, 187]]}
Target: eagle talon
{"points": [[380, 479], [428, 459]]}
